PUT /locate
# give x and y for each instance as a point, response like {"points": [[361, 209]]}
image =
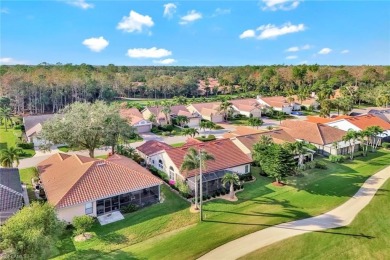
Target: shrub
{"points": [[165, 134], [218, 127], [173, 132], [245, 177], [183, 189], [211, 137], [25, 145], [82, 224], [336, 158], [186, 126], [18, 127], [217, 193], [386, 146], [129, 208], [320, 165], [303, 108]]}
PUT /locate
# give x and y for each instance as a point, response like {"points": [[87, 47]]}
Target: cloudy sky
{"points": [[195, 32]]}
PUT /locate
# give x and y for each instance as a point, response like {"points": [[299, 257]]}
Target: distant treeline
{"points": [[47, 88]]}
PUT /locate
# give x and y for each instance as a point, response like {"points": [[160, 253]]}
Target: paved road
{"points": [[338, 217]]}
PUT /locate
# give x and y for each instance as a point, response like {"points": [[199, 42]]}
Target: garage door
{"points": [[143, 128]]}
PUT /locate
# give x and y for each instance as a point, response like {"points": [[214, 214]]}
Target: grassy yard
{"points": [[368, 237], [260, 205], [25, 176], [239, 121], [10, 138], [177, 145]]}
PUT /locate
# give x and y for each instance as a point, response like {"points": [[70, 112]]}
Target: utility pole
{"points": [[201, 186]]}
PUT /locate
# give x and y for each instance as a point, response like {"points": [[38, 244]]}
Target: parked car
{"points": [[297, 113]]}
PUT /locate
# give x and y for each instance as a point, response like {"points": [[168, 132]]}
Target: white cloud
{"points": [[325, 51], [165, 62], [306, 47], [293, 49], [297, 48], [220, 11], [275, 5], [344, 51], [303, 62], [135, 22], [247, 34], [271, 31], [96, 44], [292, 57], [11, 61], [80, 3], [190, 17], [4, 10], [169, 10], [148, 53]]}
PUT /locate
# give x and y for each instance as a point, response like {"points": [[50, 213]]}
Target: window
{"points": [[160, 164], [171, 173], [247, 168], [89, 208]]}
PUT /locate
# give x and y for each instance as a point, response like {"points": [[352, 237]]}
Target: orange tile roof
{"points": [[191, 140], [307, 102], [312, 132], [364, 121], [242, 130], [278, 136], [277, 101], [247, 104], [152, 146], [132, 114], [71, 180], [324, 120], [225, 152]]}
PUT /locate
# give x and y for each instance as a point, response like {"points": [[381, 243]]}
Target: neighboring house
{"points": [[247, 107], [246, 142], [228, 158], [242, 130], [178, 110], [328, 140], [136, 120], [149, 151], [324, 120], [77, 185], [11, 193], [212, 84], [33, 126], [208, 111], [308, 102], [361, 122], [278, 103], [383, 113]]}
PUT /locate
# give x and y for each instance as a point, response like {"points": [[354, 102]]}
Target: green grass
{"points": [[11, 137], [367, 237], [239, 121], [177, 145], [104, 156], [260, 205], [25, 176]]}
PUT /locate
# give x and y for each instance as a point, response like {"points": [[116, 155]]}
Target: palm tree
{"points": [[351, 137], [232, 179], [270, 127], [195, 160], [190, 131], [254, 121], [152, 118], [9, 156], [376, 132], [225, 107], [299, 149], [5, 116], [181, 120], [364, 137], [166, 110]]}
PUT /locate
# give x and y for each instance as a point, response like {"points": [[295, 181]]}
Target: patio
{"points": [[110, 218]]}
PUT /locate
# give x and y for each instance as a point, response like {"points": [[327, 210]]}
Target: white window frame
{"points": [[89, 208], [247, 168], [161, 165], [171, 173]]}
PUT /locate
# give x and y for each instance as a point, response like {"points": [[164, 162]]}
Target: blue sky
{"points": [[200, 33]]}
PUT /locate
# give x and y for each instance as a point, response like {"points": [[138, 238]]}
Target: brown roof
{"points": [[324, 120], [242, 130], [307, 102], [245, 104], [132, 114], [209, 106], [313, 132], [225, 152], [152, 146], [279, 136], [191, 140], [364, 121], [70, 180], [277, 101], [174, 110]]}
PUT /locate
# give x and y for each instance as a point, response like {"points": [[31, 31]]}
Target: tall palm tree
{"points": [[181, 120], [226, 108], [376, 132], [232, 179], [351, 137], [195, 160], [166, 110], [364, 137], [190, 131], [9, 156], [265, 140], [299, 149], [5, 116]]}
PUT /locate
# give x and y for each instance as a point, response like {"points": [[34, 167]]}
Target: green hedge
{"points": [[386, 146], [25, 145]]}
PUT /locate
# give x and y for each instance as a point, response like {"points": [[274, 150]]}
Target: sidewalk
{"points": [[338, 217]]}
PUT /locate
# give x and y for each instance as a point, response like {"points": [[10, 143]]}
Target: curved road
{"points": [[338, 217]]}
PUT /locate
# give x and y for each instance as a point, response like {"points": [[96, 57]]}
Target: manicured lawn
{"points": [[104, 156], [368, 237], [25, 176], [10, 138], [239, 121], [177, 131], [260, 205], [177, 145], [168, 216]]}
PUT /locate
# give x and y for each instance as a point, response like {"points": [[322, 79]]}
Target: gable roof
{"points": [[364, 121], [246, 105], [9, 177], [241, 130], [306, 102], [278, 136], [175, 110], [33, 124], [132, 115], [313, 132], [324, 120], [208, 106], [225, 152], [152, 146], [277, 101], [74, 179]]}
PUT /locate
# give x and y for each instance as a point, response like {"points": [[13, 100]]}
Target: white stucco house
{"points": [[247, 107], [33, 126], [278, 103], [136, 120], [207, 111]]}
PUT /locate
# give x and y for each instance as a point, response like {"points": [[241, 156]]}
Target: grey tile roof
{"points": [[32, 121]]}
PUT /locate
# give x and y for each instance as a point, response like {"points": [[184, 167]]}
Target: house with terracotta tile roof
{"points": [[242, 130], [308, 102], [278, 103], [362, 122], [77, 185], [136, 120], [33, 126], [324, 120], [177, 110], [328, 140], [208, 111], [247, 107], [381, 112], [151, 151]]}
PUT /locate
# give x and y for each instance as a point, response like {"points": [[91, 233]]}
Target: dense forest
{"points": [[46, 88]]}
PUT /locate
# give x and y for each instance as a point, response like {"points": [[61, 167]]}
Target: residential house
{"points": [[210, 88], [33, 126], [362, 122], [177, 110], [11, 193], [77, 185], [208, 111], [247, 107], [383, 113], [308, 102], [324, 120], [136, 120], [228, 158], [278, 103], [328, 140], [242, 130], [151, 151]]}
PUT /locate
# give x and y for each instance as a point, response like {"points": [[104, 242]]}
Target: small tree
{"points": [[182, 120], [9, 156], [82, 224], [190, 131], [255, 122], [232, 179], [5, 116]]}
